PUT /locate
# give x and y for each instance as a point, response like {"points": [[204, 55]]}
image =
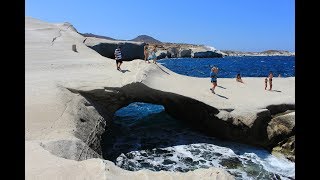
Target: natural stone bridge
{"points": [[71, 98], [195, 113]]}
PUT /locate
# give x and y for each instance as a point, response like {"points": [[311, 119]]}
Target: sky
{"points": [[243, 25]]}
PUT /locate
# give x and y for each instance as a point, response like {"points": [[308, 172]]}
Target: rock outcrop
{"points": [[71, 98], [130, 50], [281, 133], [63, 126], [134, 50], [185, 53], [207, 54]]}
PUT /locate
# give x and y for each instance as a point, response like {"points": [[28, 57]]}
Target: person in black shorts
{"points": [[118, 57]]}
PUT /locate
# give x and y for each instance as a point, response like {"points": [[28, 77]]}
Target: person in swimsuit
{"points": [[213, 75], [153, 56], [146, 53], [265, 83], [270, 79], [238, 78]]}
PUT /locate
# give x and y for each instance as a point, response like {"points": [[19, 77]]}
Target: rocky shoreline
{"points": [[72, 93], [263, 53], [170, 50]]}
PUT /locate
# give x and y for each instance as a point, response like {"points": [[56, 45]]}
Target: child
{"points": [[238, 78], [213, 75], [265, 83]]}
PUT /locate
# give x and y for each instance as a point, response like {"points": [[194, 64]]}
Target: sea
{"points": [[144, 136]]}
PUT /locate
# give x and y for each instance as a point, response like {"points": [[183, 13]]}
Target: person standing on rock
{"points": [[146, 53], [270, 79], [153, 56], [118, 57], [265, 83], [213, 75], [238, 78]]}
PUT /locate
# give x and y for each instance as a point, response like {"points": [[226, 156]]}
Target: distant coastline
{"points": [[263, 53], [180, 50]]}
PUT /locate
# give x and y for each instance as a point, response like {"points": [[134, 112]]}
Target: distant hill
{"points": [[97, 36], [263, 53], [275, 52], [146, 39]]}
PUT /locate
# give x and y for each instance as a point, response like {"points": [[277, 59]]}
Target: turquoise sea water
{"points": [[144, 136]]}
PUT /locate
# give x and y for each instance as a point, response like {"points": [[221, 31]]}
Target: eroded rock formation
{"points": [[71, 98]]}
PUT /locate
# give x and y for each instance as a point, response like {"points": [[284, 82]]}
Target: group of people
{"points": [[270, 81], [147, 55], [214, 76]]}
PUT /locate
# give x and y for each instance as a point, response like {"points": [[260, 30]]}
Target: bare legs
{"points": [[214, 84], [265, 83], [118, 65], [146, 58]]}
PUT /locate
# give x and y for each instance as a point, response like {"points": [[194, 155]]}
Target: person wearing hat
{"points": [[118, 57]]}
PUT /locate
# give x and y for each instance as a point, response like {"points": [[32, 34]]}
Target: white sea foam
{"points": [[279, 165], [162, 145]]}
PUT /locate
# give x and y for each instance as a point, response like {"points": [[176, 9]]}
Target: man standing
{"points": [[118, 57]]}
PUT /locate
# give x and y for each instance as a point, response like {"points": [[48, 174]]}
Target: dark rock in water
{"points": [[286, 148], [189, 161], [174, 52], [130, 155], [163, 54], [195, 151], [207, 54], [185, 53], [168, 161], [232, 163]]}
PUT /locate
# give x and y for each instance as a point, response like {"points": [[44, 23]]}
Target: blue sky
{"points": [[245, 25]]}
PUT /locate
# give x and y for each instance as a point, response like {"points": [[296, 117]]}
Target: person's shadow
{"points": [[276, 90], [222, 96], [125, 70], [221, 87]]}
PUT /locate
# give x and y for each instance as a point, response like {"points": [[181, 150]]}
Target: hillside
{"points": [[146, 39]]}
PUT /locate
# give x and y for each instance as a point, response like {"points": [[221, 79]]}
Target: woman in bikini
{"points": [[153, 56], [146, 53], [270, 79]]}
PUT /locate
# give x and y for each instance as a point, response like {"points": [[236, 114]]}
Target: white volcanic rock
{"points": [[130, 50], [71, 97], [63, 127]]}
